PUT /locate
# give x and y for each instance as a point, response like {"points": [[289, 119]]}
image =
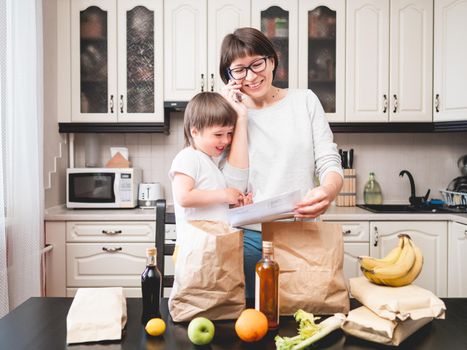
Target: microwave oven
{"points": [[102, 187]]}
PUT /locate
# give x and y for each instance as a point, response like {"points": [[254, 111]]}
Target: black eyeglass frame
{"points": [[265, 58]]}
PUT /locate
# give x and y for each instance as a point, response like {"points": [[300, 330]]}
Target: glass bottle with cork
{"points": [[267, 286], [151, 287]]}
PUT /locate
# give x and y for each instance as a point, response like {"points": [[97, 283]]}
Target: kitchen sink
{"points": [[402, 208]]}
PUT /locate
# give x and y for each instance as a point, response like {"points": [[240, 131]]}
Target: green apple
{"points": [[200, 331]]}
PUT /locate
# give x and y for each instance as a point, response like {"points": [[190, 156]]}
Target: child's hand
{"points": [[233, 196], [247, 199]]}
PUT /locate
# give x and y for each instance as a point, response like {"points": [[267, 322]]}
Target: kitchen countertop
{"points": [[40, 324], [61, 213]]}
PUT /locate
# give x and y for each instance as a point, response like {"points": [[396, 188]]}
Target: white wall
{"points": [[431, 158], [55, 149]]}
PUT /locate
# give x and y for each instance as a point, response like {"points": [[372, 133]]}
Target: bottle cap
{"points": [[267, 245], [151, 251]]}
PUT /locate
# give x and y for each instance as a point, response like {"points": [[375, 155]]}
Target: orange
{"points": [[251, 325]]}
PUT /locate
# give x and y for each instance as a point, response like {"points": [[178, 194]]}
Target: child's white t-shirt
{"points": [[204, 170]]}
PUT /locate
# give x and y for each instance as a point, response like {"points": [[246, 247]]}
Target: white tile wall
{"points": [[431, 158]]}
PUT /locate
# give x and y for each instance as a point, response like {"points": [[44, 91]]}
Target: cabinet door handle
{"points": [[111, 250], [112, 232], [212, 82], [121, 103], [202, 82], [465, 233], [396, 104], [437, 103], [376, 237], [111, 103], [346, 232], [385, 103]]}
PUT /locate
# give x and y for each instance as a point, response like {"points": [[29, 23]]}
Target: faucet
{"points": [[413, 199]]}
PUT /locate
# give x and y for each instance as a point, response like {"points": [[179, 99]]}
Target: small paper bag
{"points": [[209, 279], [96, 314], [365, 324], [310, 257], [400, 303]]}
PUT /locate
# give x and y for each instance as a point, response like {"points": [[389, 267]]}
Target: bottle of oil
{"points": [[267, 286], [151, 287], [372, 192]]}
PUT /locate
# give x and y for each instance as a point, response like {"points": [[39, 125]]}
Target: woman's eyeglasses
{"points": [[257, 66]]}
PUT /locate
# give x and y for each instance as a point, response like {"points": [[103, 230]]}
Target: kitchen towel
{"points": [[310, 257], [365, 324], [96, 314], [209, 279], [400, 303]]}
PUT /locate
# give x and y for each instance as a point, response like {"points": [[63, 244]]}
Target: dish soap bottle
{"points": [[151, 287], [267, 286], [372, 193]]}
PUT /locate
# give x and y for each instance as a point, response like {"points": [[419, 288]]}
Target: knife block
{"points": [[347, 197]]}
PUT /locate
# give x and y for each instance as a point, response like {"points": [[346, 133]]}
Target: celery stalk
{"points": [[327, 326], [308, 331]]}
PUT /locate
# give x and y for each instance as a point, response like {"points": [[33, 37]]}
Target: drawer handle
{"points": [[376, 237], [111, 250], [111, 233], [346, 232]]}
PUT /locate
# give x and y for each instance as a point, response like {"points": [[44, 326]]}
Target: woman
{"points": [[289, 138]]}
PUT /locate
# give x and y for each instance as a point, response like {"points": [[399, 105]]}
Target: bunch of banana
{"points": [[400, 267]]}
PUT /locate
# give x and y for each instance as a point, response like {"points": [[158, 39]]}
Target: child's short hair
{"points": [[207, 109]]}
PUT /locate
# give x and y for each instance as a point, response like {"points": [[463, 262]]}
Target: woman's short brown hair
{"points": [[245, 42], [207, 109]]}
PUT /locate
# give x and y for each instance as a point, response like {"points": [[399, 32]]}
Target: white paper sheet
{"points": [[275, 208]]}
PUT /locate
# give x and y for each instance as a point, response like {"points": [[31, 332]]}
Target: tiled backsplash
{"points": [[431, 158]]}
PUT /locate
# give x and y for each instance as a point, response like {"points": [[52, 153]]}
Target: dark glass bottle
{"points": [[267, 286], [151, 287]]}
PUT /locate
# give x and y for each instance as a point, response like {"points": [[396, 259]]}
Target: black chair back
{"points": [[163, 249]]}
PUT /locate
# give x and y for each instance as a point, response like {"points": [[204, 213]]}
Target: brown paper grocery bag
{"points": [[310, 257], [209, 279]]}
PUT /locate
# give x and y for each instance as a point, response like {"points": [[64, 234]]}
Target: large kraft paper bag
{"points": [[209, 279], [310, 257]]}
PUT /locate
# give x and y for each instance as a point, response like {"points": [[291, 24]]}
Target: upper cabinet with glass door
{"points": [[321, 35], [278, 19], [116, 60]]}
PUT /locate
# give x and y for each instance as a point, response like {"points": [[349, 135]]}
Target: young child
{"points": [[214, 126]]}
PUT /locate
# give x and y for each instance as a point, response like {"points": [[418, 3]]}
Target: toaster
{"points": [[149, 193]]}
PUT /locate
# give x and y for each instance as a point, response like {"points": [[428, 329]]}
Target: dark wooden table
{"points": [[40, 324]]}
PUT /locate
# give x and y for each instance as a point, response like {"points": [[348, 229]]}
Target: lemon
{"points": [[155, 326]]}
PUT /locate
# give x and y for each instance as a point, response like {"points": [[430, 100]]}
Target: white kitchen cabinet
{"points": [[97, 254], [105, 264], [356, 240], [389, 60], [116, 61], [457, 260], [450, 57], [429, 236], [193, 33]]}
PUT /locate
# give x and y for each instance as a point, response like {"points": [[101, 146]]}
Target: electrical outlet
{"points": [[170, 232]]}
